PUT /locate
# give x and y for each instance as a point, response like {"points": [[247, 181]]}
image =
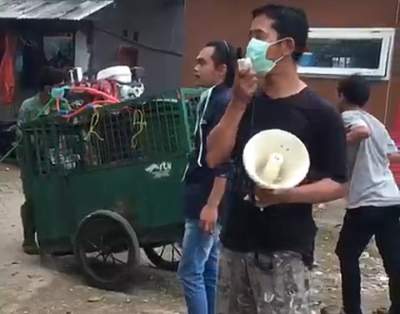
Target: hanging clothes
{"points": [[7, 76]]}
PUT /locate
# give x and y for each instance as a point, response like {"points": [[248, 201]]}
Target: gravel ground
{"points": [[54, 285]]}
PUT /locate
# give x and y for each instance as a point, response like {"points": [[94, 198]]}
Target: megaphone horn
{"points": [[276, 159]]}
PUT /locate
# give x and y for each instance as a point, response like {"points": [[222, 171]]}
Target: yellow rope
{"points": [[138, 120], [94, 121]]}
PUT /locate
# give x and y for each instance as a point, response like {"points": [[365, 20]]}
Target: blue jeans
{"points": [[198, 268]]}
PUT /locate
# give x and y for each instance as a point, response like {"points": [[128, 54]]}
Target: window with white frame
{"points": [[346, 51]]}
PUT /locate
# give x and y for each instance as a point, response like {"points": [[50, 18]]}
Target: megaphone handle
{"points": [[252, 192], [253, 117]]}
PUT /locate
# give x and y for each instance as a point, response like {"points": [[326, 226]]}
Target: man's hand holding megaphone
{"points": [[222, 138], [265, 197]]}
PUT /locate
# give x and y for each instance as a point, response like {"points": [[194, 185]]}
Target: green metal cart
{"points": [[108, 182]]}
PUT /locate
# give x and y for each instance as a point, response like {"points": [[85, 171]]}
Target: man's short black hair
{"points": [[50, 76], [225, 53], [288, 22], [355, 89]]}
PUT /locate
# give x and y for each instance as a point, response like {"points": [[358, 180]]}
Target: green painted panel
{"points": [[68, 176]]}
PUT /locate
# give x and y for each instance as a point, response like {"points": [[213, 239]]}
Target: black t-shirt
{"points": [[288, 226]]}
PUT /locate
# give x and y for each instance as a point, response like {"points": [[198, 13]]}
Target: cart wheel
{"points": [[107, 249], [165, 257]]}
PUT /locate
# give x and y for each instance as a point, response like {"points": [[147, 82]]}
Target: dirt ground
{"points": [[55, 285]]}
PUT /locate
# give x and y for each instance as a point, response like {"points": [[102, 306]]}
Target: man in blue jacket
{"points": [[205, 187]]}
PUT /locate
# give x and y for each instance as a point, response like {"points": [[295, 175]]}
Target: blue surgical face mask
{"points": [[257, 51], [58, 92]]}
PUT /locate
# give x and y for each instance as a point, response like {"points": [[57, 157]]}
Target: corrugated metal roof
{"points": [[50, 9]]}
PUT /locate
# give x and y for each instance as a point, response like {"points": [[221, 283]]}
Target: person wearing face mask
{"points": [[31, 109], [267, 253]]}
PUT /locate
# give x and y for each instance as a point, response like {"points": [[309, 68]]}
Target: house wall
{"points": [[210, 19], [159, 24]]}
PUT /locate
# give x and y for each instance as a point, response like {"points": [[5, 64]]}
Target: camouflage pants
{"points": [[263, 284]]}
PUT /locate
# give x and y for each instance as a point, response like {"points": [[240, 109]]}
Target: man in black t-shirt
{"points": [[267, 253]]}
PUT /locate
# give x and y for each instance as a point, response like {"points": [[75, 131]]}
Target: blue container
{"points": [[307, 60]]}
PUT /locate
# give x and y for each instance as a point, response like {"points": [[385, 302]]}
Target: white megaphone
{"points": [[276, 159]]}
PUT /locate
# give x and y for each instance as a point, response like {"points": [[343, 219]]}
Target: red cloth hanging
{"points": [[7, 77]]}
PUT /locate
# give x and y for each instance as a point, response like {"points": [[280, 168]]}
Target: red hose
{"points": [[108, 99], [83, 108], [95, 92]]}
